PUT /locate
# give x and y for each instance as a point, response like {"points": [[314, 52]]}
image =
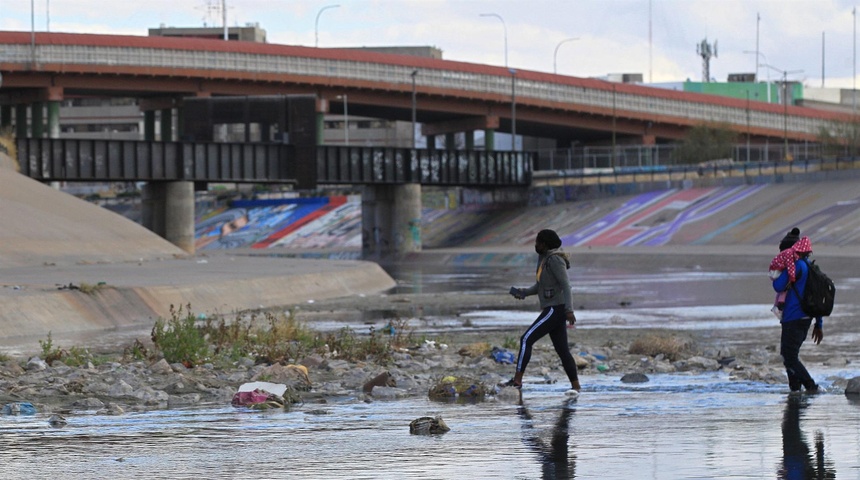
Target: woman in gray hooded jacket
{"points": [[553, 289]]}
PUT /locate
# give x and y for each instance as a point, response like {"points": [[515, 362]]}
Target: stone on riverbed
{"points": [[428, 426]]}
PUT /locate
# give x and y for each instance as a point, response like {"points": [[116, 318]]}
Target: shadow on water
{"points": [[553, 450]]}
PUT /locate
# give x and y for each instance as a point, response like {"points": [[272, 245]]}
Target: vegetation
{"points": [[73, 357], [840, 139], [266, 337], [652, 345], [705, 142]]}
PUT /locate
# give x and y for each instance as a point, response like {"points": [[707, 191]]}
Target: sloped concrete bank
{"points": [[48, 299]]}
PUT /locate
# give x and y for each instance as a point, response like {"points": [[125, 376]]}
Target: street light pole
{"points": [[414, 107], [505, 27], [555, 54], [784, 99], [759, 54], [317, 24], [345, 120], [513, 109]]}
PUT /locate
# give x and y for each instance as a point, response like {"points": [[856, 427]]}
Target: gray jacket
{"points": [[552, 286]]}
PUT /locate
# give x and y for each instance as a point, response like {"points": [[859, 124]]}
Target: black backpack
{"points": [[818, 296]]}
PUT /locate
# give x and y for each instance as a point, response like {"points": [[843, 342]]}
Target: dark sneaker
{"points": [[511, 383]]}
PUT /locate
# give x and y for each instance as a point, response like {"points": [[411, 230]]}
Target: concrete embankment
{"points": [[52, 244]]}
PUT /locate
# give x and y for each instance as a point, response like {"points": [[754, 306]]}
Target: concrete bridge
{"points": [[446, 97]]}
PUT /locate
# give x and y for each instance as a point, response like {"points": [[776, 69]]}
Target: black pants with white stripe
{"points": [[552, 321]]}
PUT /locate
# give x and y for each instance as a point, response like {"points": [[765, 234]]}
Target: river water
{"points": [[674, 426]]}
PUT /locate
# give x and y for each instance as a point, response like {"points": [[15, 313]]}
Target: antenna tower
{"points": [[706, 51]]}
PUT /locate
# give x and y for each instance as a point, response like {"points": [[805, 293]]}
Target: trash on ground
{"points": [[428, 426], [19, 408]]}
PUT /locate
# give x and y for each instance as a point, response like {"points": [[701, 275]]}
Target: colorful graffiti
{"points": [[299, 223], [653, 218]]}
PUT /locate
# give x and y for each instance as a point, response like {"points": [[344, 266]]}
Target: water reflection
{"points": [[554, 456], [798, 462]]}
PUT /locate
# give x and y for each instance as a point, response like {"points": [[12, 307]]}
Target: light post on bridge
{"points": [[345, 118], [555, 54], [513, 109], [414, 107], [784, 99], [317, 24], [505, 27], [759, 54]]}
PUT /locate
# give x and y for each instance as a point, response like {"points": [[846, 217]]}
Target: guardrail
{"points": [[662, 173], [606, 97], [371, 165], [73, 160]]}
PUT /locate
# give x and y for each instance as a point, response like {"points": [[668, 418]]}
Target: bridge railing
{"points": [[378, 165], [133, 160], [607, 99]]}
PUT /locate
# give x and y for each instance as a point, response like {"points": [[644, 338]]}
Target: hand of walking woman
{"points": [[817, 334], [571, 318]]}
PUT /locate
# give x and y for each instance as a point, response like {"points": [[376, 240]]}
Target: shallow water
{"points": [[676, 426]]}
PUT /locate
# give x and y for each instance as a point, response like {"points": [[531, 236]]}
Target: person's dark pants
{"points": [[552, 321], [793, 335]]}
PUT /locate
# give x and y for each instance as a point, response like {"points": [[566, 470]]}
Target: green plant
{"points": [[179, 339], [4, 358], [77, 356], [511, 343], [50, 354], [705, 142], [91, 289]]}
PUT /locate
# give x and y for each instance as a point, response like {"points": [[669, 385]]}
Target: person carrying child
{"points": [[784, 261]]}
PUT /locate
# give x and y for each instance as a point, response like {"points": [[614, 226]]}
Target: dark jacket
{"points": [[792, 310]]}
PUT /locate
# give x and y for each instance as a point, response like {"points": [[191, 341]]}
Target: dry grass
{"points": [[653, 344]]}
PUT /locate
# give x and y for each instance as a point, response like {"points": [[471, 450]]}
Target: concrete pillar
{"points": [[390, 220], [21, 121], [149, 125], [53, 119], [167, 125], [5, 116], [470, 140], [489, 140], [406, 218], [320, 128], [431, 142], [152, 198], [37, 120], [179, 215], [450, 141]]}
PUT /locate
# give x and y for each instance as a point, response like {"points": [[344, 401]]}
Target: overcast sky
{"points": [[612, 35]]}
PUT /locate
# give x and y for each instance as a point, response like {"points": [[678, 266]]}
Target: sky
{"points": [[812, 41]]}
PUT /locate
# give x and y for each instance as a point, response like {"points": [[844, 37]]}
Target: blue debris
{"points": [[502, 356], [19, 408]]}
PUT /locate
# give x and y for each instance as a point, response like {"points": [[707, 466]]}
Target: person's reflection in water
{"points": [[555, 458], [797, 460]]}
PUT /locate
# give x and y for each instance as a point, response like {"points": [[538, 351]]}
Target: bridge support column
{"points": [[168, 210], [149, 125], [431, 142], [53, 119], [21, 120], [391, 220], [5, 116], [489, 140], [37, 120], [450, 141], [470, 140], [167, 125]]}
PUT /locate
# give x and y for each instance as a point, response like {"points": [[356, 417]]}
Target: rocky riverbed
{"points": [[117, 384]]}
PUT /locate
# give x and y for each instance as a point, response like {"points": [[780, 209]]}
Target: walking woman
{"points": [[553, 290]]}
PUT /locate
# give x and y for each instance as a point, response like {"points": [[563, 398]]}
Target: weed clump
{"points": [[652, 345]]}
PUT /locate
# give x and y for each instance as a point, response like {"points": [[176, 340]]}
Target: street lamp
{"points": [[345, 119], [759, 54], [317, 24], [513, 109], [785, 74], [505, 27], [555, 54], [414, 107]]}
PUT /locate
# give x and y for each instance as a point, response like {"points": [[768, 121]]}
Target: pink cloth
{"points": [[785, 261]]}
